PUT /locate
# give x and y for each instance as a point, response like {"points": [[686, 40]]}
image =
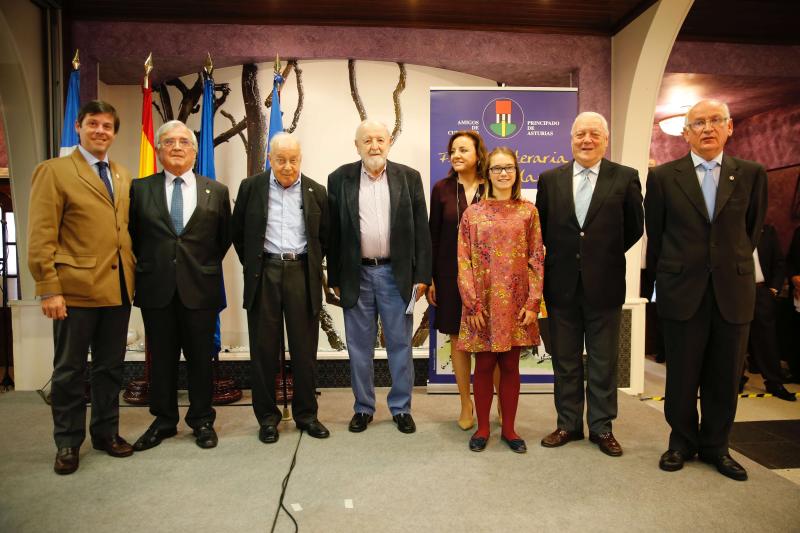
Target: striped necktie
{"points": [[583, 197]]}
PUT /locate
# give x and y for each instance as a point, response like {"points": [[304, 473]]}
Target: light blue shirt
{"points": [[286, 226], [701, 172], [577, 169], [92, 160]]}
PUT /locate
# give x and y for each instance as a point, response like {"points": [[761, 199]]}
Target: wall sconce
{"points": [[673, 125]]}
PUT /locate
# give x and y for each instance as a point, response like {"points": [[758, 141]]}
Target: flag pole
{"points": [[137, 392]]}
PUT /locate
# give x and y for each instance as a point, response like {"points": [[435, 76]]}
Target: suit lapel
{"points": [[86, 173], [686, 178], [203, 198], [351, 186], [117, 183], [727, 183], [307, 193], [564, 186], [605, 182], [158, 190], [395, 190]]}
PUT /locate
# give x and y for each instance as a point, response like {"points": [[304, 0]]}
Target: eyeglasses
{"points": [[169, 143], [499, 170], [700, 124]]}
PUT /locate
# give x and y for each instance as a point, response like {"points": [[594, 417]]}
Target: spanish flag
{"points": [[147, 152]]}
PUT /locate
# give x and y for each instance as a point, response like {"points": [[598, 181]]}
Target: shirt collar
{"points": [[89, 157], [365, 173], [577, 168], [697, 160], [275, 181], [187, 177]]}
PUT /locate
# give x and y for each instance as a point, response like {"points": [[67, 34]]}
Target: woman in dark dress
{"points": [[450, 197]]}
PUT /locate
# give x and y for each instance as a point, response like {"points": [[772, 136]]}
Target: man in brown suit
{"points": [[81, 259]]}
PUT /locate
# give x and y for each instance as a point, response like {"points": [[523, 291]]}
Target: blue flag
{"points": [[275, 115], [69, 137], [205, 167]]}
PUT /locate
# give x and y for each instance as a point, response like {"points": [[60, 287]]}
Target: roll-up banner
{"points": [[535, 122]]}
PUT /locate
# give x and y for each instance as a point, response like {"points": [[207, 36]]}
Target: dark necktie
{"points": [[176, 206], [102, 168]]}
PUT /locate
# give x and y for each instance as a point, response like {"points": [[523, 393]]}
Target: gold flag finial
{"points": [[277, 64], [148, 67], [76, 61], [209, 66]]}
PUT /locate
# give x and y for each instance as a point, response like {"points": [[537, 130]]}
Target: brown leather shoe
{"points": [[66, 461], [115, 446], [560, 437], [607, 443]]}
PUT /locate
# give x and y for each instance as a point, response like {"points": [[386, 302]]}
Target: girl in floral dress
{"points": [[500, 266]]}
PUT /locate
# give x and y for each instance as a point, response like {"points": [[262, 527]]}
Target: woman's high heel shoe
{"points": [[467, 423]]}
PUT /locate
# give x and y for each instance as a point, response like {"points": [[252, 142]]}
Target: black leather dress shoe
{"points": [[205, 435], [671, 461], [477, 444], [779, 391], [153, 437], [359, 422], [268, 434], [66, 461], [405, 423], [516, 445], [315, 429], [115, 446], [726, 466]]}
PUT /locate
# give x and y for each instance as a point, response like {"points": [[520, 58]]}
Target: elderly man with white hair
{"points": [[705, 212], [591, 214], [280, 232], [379, 262], [180, 227]]}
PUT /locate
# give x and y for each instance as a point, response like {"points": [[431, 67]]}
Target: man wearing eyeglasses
{"points": [[704, 214], [591, 214], [180, 226]]}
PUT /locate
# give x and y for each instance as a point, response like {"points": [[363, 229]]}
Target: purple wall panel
{"points": [[518, 59]]}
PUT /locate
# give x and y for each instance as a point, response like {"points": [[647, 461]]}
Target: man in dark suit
{"points": [[80, 256], [770, 272], [704, 214], [379, 263], [180, 226], [280, 232], [591, 214]]}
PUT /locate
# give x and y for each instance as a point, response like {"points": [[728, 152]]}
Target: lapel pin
{"points": [[208, 191], [310, 189], [731, 178]]}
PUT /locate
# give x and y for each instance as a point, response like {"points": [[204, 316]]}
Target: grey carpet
{"points": [[427, 481]]}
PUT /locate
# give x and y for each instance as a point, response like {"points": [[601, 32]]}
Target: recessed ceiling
{"points": [[743, 21], [745, 95]]}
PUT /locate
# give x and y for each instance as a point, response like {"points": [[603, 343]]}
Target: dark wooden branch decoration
{"points": [[166, 103], [236, 128], [351, 69], [224, 90], [398, 111], [189, 97], [300, 96], [256, 120]]}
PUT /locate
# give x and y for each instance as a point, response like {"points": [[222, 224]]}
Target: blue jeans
{"points": [[379, 296]]}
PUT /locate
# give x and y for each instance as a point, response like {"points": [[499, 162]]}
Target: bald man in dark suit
{"points": [[704, 214]]}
